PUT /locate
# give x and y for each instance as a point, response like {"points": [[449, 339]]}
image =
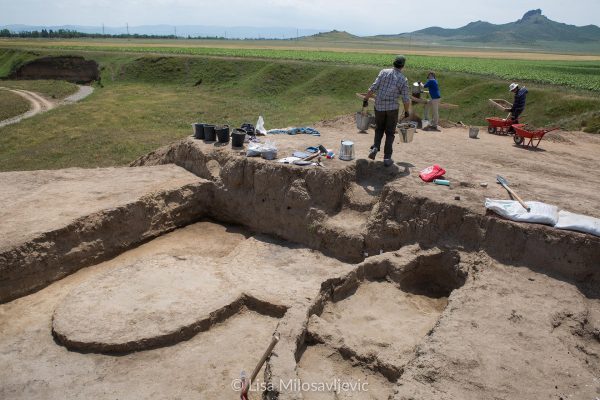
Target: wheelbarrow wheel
{"points": [[491, 129], [518, 140]]}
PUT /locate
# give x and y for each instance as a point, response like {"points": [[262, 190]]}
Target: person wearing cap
{"points": [[433, 105], [519, 103], [389, 85]]}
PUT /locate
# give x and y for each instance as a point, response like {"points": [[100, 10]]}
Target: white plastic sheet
{"points": [[260, 126]]}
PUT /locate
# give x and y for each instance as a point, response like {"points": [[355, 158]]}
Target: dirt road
{"points": [[40, 104]]}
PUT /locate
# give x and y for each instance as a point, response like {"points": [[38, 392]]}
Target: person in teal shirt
{"points": [[433, 105]]}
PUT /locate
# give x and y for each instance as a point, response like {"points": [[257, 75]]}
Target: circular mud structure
{"points": [[147, 304]]}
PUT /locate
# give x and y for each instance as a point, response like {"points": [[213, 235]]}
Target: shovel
{"points": [[501, 180]]}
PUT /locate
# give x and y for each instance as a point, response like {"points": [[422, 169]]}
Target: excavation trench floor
{"points": [[507, 331], [321, 364], [383, 320], [150, 290]]}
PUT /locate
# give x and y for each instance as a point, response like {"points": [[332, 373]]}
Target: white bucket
{"points": [[346, 150], [425, 123], [473, 132]]}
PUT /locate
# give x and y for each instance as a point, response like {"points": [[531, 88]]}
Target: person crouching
{"points": [[519, 102]]}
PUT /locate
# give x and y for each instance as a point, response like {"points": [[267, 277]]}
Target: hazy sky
{"points": [[356, 16]]}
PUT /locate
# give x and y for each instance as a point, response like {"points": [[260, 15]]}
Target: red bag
{"points": [[431, 173]]}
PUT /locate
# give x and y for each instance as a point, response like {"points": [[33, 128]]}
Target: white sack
{"points": [[541, 213], [578, 222]]}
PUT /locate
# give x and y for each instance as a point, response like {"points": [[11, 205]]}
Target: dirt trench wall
{"points": [[70, 68], [267, 197], [296, 204], [402, 219], [97, 237]]}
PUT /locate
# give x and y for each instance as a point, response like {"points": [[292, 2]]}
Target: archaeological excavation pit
{"points": [[168, 278], [377, 316]]}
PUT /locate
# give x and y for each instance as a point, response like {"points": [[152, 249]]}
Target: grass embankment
{"points": [[150, 101], [57, 90], [575, 74], [12, 105]]}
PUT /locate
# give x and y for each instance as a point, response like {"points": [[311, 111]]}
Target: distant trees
{"points": [[69, 34]]}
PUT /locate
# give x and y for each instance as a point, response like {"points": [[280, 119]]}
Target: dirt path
{"points": [[40, 104]]}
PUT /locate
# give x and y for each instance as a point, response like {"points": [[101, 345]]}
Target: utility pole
{"points": [[127, 23], [175, 32], [103, 29]]}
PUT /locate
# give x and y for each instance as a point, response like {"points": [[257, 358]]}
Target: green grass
{"points": [[12, 105], [575, 74], [11, 59], [149, 101], [48, 88]]}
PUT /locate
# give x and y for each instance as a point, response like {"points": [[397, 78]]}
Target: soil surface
{"points": [[558, 172], [56, 222], [35, 202], [456, 304], [505, 331], [35, 366], [381, 318]]}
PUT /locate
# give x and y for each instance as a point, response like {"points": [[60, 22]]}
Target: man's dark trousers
{"points": [[386, 121]]}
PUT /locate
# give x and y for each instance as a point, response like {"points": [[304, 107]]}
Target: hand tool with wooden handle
{"points": [[501, 180], [266, 355]]}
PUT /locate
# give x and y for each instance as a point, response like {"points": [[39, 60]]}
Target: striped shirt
{"points": [[389, 85]]}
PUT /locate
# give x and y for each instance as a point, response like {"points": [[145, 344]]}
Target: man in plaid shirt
{"points": [[389, 86]]}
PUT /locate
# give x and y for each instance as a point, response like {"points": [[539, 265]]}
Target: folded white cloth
{"points": [[288, 160]]}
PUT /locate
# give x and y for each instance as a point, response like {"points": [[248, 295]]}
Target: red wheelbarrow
{"points": [[500, 126], [535, 136]]}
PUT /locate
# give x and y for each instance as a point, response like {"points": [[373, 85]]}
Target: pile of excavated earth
{"points": [[168, 278]]}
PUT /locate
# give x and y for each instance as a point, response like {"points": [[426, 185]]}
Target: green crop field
{"points": [[576, 74]]}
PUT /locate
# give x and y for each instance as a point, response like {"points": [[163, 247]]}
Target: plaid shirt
{"points": [[389, 85]]}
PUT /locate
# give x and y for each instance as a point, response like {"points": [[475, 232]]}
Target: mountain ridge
{"points": [[533, 27]]}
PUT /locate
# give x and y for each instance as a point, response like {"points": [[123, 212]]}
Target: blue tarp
{"points": [[295, 131]]}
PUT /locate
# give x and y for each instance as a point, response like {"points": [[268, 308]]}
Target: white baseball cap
{"points": [[513, 86]]}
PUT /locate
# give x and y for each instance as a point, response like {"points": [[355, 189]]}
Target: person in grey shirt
{"points": [[389, 86]]}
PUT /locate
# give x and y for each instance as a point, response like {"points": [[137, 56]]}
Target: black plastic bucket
{"points": [[237, 138], [199, 131], [222, 133], [209, 133]]}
